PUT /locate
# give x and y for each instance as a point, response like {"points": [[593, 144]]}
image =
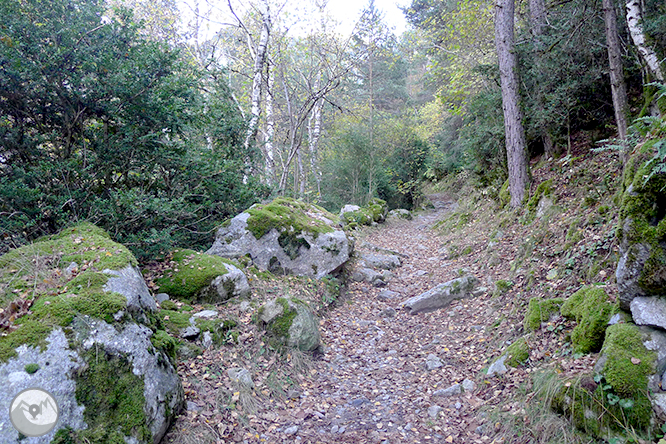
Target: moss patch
{"points": [[590, 308], [375, 211], [293, 216], [31, 368], [517, 353], [540, 310], [36, 272], [629, 379], [190, 273], [163, 341], [113, 398]]}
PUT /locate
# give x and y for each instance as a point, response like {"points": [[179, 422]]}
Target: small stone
{"points": [[335, 429], [205, 314], [193, 407], [433, 362], [242, 376], [291, 430], [497, 367], [386, 295], [190, 332], [161, 297], [468, 385], [388, 313], [458, 405], [454, 390], [207, 339], [342, 429], [433, 411]]}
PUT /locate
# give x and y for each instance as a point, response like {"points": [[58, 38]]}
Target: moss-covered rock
{"points": [[195, 276], [286, 236], [540, 310], [626, 365], [590, 308], [86, 339], [641, 270], [291, 322], [374, 212], [517, 353]]}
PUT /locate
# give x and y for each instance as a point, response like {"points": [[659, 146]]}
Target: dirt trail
{"points": [[372, 384]]}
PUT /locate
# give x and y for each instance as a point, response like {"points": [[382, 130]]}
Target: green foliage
{"points": [[102, 124], [590, 308]]}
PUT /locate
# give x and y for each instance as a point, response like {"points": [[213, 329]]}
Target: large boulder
{"points": [[442, 295], [641, 270], [85, 336], [291, 322], [286, 236], [374, 212]]}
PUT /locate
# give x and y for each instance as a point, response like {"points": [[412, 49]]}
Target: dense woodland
{"points": [[126, 114]]}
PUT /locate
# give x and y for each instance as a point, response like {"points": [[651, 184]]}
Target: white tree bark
{"points": [[269, 147], [257, 75], [513, 126], [634, 22], [314, 132]]}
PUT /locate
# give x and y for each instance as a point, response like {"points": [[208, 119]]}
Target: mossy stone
{"points": [[191, 273], [628, 365], [590, 308], [290, 215], [540, 310], [35, 271], [545, 188], [517, 353]]}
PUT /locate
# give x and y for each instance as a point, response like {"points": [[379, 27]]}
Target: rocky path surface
{"points": [[388, 376]]}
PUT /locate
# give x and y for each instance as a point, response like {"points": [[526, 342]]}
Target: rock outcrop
{"points": [[88, 339], [286, 237]]}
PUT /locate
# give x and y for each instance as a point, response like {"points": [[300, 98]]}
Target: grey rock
{"points": [[433, 362], [205, 314], [433, 411], [454, 390], [233, 284], [544, 206], [70, 271], [650, 311], [659, 404], [616, 318], [303, 333], [387, 295], [207, 340], [442, 295], [364, 274], [458, 405], [382, 261], [388, 312], [379, 283], [497, 367], [129, 282], [190, 332], [325, 252], [291, 430], [161, 297], [400, 213], [241, 376], [468, 385], [349, 209], [193, 407], [335, 429]]}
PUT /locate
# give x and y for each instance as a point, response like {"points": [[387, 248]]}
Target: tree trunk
{"points": [[618, 87], [314, 132], [513, 126], [634, 22], [270, 132], [538, 27], [257, 77]]}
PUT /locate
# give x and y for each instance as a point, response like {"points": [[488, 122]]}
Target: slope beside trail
{"points": [[372, 384]]}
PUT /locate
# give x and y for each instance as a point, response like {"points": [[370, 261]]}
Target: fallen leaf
{"points": [[635, 361]]}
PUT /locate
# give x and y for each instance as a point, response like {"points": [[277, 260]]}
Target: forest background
{"points": [[130, 115]]}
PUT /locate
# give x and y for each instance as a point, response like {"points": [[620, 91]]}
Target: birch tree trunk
{"points": [[314, 132], [270, 131], [257, 76], [634, 22], [513, 126], [618, 87]]}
